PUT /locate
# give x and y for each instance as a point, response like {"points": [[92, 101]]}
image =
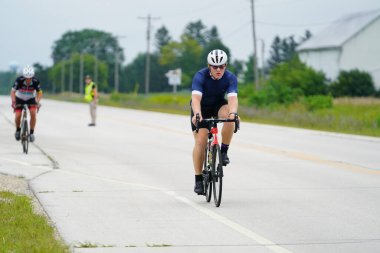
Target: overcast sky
{"points": [[30, 27]]}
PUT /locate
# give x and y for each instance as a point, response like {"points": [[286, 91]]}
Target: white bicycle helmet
{"points": [[217, 57], [28, 72]]}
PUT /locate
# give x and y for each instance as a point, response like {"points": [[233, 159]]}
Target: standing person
{"points": [[26, 90], [209, 88], [91, 96]]}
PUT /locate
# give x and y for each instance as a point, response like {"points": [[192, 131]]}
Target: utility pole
{"points": [[117, 59], [96, 43], [255, 70], [62, 76], [147, 60], [262, 61], [81, 74], [71, 74], [116, 77]]}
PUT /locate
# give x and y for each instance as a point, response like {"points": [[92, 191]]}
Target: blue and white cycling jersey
{"points": [[211, 90]]}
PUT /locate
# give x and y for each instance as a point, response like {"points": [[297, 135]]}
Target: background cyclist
{"points": [[26, 90], [209, 88]]}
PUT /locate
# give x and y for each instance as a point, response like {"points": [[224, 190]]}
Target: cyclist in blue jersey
{"points": [[210, 87], [26, 90]]}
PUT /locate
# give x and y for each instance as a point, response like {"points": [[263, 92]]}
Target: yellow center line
{"points": [[310, 158], [291, 154]]}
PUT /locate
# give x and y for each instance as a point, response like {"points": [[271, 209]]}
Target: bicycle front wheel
{"points": [[207, 183], [217, 174], [25, 137]]}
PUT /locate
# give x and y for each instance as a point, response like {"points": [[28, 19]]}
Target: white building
{"points": [[351, 42]]}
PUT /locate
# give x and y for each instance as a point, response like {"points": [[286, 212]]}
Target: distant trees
{"points": [[188, 53], [95, 52], [65, 75], [283, 50], [162, 38], [6, 81], [103, 46]]}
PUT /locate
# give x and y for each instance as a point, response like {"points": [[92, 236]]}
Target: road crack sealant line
{"points": [[54, 163], [54, 166], [262, 241]]}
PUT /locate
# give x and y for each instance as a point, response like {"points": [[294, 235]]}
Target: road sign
{"points": [[174, 76]]}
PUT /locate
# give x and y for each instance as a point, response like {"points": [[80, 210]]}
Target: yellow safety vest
{"points": [[89, 93]]}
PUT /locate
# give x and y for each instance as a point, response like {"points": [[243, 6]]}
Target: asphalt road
{"points": [[127, 185]]}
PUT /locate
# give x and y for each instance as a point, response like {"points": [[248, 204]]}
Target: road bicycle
{"points": [[24, 132], [213, 165]]}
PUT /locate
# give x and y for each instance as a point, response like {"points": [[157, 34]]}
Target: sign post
{"points": [[174, 77]]}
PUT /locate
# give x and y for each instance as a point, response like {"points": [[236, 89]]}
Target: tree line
{"points": [[99, 54]]}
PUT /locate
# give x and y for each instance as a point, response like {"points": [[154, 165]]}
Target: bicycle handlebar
{"points": [[236, 120]]}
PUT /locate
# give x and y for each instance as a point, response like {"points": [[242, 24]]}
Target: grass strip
{"points": [[21, 230], [360, 116]]}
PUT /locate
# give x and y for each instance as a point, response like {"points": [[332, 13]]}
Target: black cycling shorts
{"points": [[32, 104], [207, 112]]}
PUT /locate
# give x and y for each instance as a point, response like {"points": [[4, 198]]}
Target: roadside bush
{"points": [[273, 93], [353, 83], [313, 103], [296, 75]]}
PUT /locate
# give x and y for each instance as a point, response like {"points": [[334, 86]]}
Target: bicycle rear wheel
{"points": [[207, 183], [25, 136], [217, 174]]}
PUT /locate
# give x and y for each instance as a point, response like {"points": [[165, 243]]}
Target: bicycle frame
{"points": [[24, 135], [213, 165]]}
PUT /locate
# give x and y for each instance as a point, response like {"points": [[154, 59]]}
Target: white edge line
{"points": [[217, 217]]}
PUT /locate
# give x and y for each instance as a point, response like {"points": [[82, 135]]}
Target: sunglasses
{"points": [[221, 67]]}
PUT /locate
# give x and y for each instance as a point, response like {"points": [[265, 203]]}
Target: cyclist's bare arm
{"points": [[232, 105], [13, 95], [39, 96], [196, 106]]}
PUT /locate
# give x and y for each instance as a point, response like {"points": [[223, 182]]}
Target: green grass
{"points": [[21, 230], [348, 115]]}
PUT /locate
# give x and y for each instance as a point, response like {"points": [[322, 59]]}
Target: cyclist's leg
{"points": [[228, 127], [33, 118], [33, 113], [18, 113], [200, 140], [227, 132], [18, 118]]}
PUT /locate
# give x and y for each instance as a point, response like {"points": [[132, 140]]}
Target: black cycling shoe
{"points": [[17, 135], [198, 188], [225, 159], [31, 138]]}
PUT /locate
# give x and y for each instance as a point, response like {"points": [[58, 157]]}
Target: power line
{"points": [[277, 3], [294, 25], [239, 28]]}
